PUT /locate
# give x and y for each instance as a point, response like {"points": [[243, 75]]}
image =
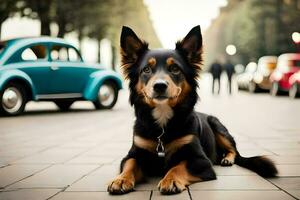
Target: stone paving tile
{"points": [[101, 196], [149, 184], [234, 183], [289, 183], [182, 196], [90, 159], [13, 173], [21, 152], [28, 194], [56, 176], [288, 170], [285, 159], [53, 155], [5, 160], [238, 195], [294, 193], [234, 170], [284, 152], [99, 151], [97, 180]]}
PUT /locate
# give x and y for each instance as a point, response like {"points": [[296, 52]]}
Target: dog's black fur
{"points": [[204, 149]]}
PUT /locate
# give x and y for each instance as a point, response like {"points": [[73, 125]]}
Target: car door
{"points": [[69, 74], [33, 60]]}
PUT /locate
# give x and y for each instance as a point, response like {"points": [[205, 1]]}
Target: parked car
{"points": [[244, 78], [287, 65], [50, 69], [294, 81], [261, 77]]}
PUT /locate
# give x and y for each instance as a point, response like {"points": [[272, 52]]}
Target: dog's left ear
{"points": [[191, 46], [131, 45]]}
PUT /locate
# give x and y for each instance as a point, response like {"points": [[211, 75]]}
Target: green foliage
{"points": [[255, 27]]}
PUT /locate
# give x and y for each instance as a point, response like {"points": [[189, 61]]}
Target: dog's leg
{"points": [[125, 182], [176, 179], [231, 152], [225, 142]]}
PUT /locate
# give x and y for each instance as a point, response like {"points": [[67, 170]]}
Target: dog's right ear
{"points": [[131, 46]]}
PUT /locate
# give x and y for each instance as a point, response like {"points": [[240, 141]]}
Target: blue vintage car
{"points": [[50, 69]]}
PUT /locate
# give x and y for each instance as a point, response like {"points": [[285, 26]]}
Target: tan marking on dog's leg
{"points": [[125, 182], [176, 179], [229, 158]]}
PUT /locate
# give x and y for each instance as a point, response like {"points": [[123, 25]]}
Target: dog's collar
{"points": [[160, 149]]}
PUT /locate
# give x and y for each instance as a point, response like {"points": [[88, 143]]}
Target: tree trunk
{"points": [[80, 37], [61, 29], [99, 50], [114, 57], [45, 25]]}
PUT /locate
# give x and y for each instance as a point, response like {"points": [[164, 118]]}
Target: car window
{"points": [[73, 55], [2, 46], [34, 53], [59, 53]]}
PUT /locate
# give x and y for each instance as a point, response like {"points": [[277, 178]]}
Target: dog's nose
{"points": [[160, 86]]}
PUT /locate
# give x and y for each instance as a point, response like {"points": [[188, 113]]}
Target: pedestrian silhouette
{"points": [[216, 70], [229, 68]]}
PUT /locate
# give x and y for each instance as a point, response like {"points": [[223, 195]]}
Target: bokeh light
{"points": [[231, 49]]}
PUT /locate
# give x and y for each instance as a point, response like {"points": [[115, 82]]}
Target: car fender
{"points": [[96, 80], [7, 75]]}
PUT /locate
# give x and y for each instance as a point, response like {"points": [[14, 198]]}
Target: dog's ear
{"points": [[131, 46], [191, 46]]}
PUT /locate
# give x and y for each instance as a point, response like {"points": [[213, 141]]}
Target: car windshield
{"points": [[296, 63], [285, 64]]}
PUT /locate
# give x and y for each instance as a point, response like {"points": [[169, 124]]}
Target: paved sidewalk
{"points": [[73, 155]]}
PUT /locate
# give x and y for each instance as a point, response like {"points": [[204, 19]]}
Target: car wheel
{"points": [[13, 99], [293, 92], [252, 87], [274, 89], [64, 105], [107, 96]]}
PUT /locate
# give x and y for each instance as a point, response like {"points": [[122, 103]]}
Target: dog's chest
{"points": [[162, 113]]}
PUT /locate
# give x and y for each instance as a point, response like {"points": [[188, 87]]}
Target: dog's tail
{"points": [[262, 165], [259, 164]]}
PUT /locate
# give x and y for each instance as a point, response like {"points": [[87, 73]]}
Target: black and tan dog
{"points": [[170, 139]]}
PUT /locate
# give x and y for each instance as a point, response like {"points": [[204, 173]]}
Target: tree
{"points": [[8, 8], [41, 10]]}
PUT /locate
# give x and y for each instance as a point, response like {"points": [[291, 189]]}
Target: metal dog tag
{"points": [[160, 149], [161, 154]]}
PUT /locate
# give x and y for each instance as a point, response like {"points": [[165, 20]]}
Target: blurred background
{"points": [[70, 142], [255, 28]]}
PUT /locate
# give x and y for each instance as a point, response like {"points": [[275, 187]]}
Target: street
{"points": [[48, 154]]}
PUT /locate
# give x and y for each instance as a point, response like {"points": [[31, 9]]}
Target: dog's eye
{"points": [[147, 70], [174, 69]]}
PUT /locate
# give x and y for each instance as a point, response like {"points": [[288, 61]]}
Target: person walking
{"points": [[216, 70], [229, 68]]}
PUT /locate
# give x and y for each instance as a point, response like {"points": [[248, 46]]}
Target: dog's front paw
{"points": [[170, 186], [121, 185]]}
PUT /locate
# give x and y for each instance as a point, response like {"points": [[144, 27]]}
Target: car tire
{"points": [[274, 89], [64, 105], [107, 96], [13, 99], [253, 88], [293, 92]]}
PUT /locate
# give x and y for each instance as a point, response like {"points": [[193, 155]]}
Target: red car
{"points": [[295, 85], [287, 65]]}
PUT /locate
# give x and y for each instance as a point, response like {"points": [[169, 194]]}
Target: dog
{"points": [[171, 139]]}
